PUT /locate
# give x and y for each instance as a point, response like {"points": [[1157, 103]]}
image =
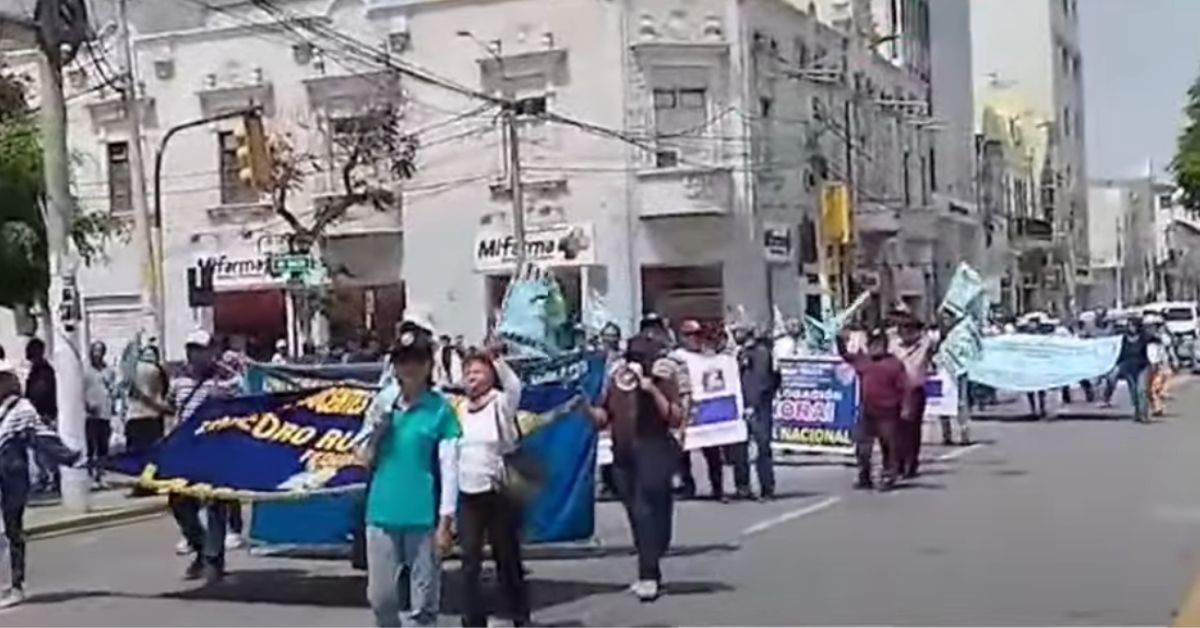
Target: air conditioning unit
{"points": [[164, 69]]}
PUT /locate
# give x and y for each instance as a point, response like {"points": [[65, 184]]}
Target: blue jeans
{"points": [[207, 540], [1139, 389], [392, 554], [762, 431], [644, 485]]}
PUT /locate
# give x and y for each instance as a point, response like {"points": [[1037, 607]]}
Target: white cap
{"points": [[198, 338], [421, 316], [281, 345], [7, 367]]}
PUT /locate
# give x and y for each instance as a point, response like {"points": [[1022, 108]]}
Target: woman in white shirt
{"points": [[486, 509]]}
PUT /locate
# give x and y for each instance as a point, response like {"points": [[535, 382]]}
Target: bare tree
{"points": [[372, 158]]}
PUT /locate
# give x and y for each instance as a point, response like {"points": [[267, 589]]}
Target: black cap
{"points": [[643, 350], [652, 319], [413, 345]]}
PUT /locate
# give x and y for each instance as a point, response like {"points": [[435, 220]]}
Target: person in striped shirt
{"points": [[202, 380], [21, 429]]}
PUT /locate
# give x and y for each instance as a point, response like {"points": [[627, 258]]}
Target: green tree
{"points": [[23, 254], [25, 277], [1186, 164]]}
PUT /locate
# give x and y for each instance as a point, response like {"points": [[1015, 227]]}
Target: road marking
{"points": [[959, 453], [763, 526]]}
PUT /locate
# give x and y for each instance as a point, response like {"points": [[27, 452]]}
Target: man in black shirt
{"points": [[759, 382], [640, 405], [41, 389], [1133, 366]]}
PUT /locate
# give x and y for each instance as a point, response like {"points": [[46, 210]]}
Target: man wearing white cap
{"points": [[21, 429], [200, 382]]}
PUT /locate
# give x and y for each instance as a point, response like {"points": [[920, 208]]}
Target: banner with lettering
{"points": [[295, 445], [260, 378], [267, 446], [1030, 362], [816, 407]]}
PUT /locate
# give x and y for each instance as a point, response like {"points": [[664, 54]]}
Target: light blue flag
{"points": [[962, 348], [820, 335], [964, 294], [533, 319], [1026, 362]]}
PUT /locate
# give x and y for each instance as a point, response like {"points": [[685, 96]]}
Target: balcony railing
{"points": [[686, 192]]}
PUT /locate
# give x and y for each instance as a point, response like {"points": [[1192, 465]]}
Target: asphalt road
{"points": [[1072, 522]]}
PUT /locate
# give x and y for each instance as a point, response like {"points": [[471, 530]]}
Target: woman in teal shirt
{"points": [[413, 450]]}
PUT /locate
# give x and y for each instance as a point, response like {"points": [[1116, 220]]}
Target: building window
{"points": [[801, 53], [682, 292], [933, 182], [233, 189], [371, 132], [680, 117], [1066, 123], [120, 191], [765, 104]]}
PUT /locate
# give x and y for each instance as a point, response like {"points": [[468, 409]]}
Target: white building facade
{"points": [[1028, 69], [682, 153]]}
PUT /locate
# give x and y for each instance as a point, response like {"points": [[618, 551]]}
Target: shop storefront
{"points": [[565, 250]]}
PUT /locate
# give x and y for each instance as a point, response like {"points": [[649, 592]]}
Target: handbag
{"points": [[522, 475]]}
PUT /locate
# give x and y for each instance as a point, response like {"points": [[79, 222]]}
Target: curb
{"points": [[88, 521]]}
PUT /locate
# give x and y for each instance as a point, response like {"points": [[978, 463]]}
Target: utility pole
{"points": [[845, 259], [514, 175], [65, 334], [1120, 273], [152, 303]]}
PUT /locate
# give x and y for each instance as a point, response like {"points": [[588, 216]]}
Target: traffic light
{"points": [[835, 214], [253, 156]]}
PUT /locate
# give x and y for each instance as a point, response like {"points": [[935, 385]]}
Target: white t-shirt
{"points": [[489, 432], [1156, 353]]}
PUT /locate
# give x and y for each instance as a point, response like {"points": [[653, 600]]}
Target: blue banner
{"points": [[1027, 362], [277, 446], [816, 406], [295, 445]]}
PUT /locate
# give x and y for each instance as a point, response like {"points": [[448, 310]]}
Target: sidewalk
{"points": [[48, 517]]}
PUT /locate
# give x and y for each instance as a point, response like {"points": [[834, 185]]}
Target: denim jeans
{"points": [[391, 555], [1137, 380], [644, 486], [207, 540], [762, 431], [14, 494]]}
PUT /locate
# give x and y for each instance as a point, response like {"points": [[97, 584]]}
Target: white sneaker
{"points": [[234, 541], [182, 548], [646, 590], [12, 597]]}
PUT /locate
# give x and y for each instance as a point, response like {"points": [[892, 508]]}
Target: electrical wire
{"points": [[371, 54]]}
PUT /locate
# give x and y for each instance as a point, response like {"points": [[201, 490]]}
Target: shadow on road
{"points": [[292, 587], [1060, 418], [59, 597], [536, 554]]}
